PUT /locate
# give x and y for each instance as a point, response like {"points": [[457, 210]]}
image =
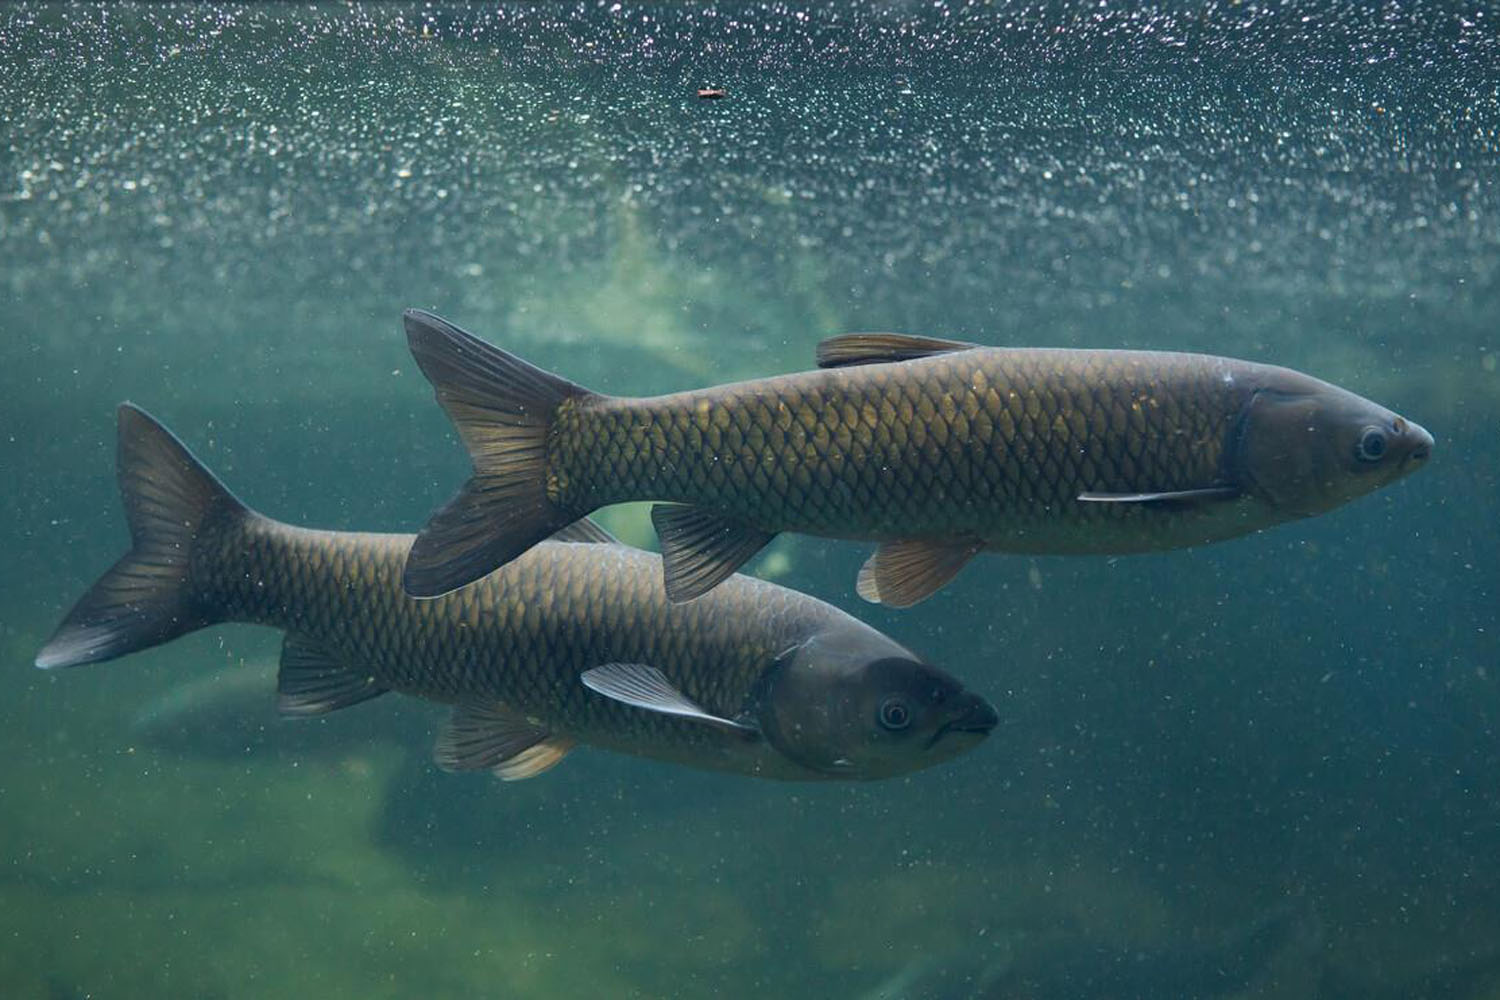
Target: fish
{"points": [[935, 449], [1073, 967], [230, 713], [573, 644]]}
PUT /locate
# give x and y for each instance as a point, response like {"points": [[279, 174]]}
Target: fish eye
{"points": [[894, 715], [1371, 447]]}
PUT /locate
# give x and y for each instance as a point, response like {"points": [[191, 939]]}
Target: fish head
{"points": [[850, 703], [1306, 446]]}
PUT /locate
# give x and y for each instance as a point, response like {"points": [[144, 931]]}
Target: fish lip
{"points": [[1422, 448], [978, 720]]}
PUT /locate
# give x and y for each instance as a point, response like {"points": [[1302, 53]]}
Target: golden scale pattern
{"points": [[958, 441], [522, 635]]}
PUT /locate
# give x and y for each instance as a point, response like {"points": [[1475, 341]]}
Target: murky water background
{"points": [[1264, 768]]}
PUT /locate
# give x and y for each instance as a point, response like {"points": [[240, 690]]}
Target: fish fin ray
{"points": [[484, 736], [535, 759], [701, 549], [878, 348], [311, 681], [644, 686], [905, 572], [148, 596], [1210, 494], [502, 408], [585, 531]]}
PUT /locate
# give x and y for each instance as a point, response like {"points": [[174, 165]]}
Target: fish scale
{"points": [[1056, 424], [521, 636]]}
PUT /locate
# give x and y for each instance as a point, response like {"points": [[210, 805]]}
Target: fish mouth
{"points": [[976, 721], [1422, 444]]}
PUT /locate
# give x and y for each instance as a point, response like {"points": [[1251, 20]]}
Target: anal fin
{"points": [[535, 759], [905, 572], [312, 681], [497, 737], [700, 549]]}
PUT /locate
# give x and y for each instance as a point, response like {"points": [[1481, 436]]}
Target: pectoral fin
{"points": [[312, 681], [877, 348], [495, 736], [646, 687], [902, 573], [700, 549], [1211, 494]]}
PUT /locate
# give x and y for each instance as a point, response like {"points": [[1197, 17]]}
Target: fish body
{"points": [[524, 639], [573, 643], [1073, 968], [996, 445], [937, 449]]}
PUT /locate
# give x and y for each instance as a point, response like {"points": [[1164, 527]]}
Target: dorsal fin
{"points": [[877, 348], [584, 531], [700, 548]]}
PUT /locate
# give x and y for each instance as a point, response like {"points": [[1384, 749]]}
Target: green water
{"points": [[220, 212]]}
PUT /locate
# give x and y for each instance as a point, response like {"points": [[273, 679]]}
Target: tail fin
{"points": [[503, 409], [147, 597]]}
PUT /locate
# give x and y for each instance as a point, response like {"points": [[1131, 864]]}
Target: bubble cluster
{"points": [[1012, 172]]}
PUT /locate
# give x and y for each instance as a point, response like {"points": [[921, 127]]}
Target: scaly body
{"points": [[936, 449], [525, 635], [993, 444]]}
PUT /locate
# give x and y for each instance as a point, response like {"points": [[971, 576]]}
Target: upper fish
{"points": [[574, 643], [937, 449]]}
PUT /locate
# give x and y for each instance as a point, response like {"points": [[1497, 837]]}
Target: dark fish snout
{"points": [[972, 720], [978, 717], [1421, 442]]}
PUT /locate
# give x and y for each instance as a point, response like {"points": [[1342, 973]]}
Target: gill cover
{"points": [[850, 703], [1307, 446]]}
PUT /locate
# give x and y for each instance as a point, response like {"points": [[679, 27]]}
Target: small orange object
{"points": [[712, 93]]}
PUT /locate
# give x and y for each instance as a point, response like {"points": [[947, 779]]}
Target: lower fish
{"points": [[935, 449], [573, 644], [1233, 963], [230, 713]]}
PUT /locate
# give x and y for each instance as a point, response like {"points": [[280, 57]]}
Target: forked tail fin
{"points": [[148, 596], [503, 409]]}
